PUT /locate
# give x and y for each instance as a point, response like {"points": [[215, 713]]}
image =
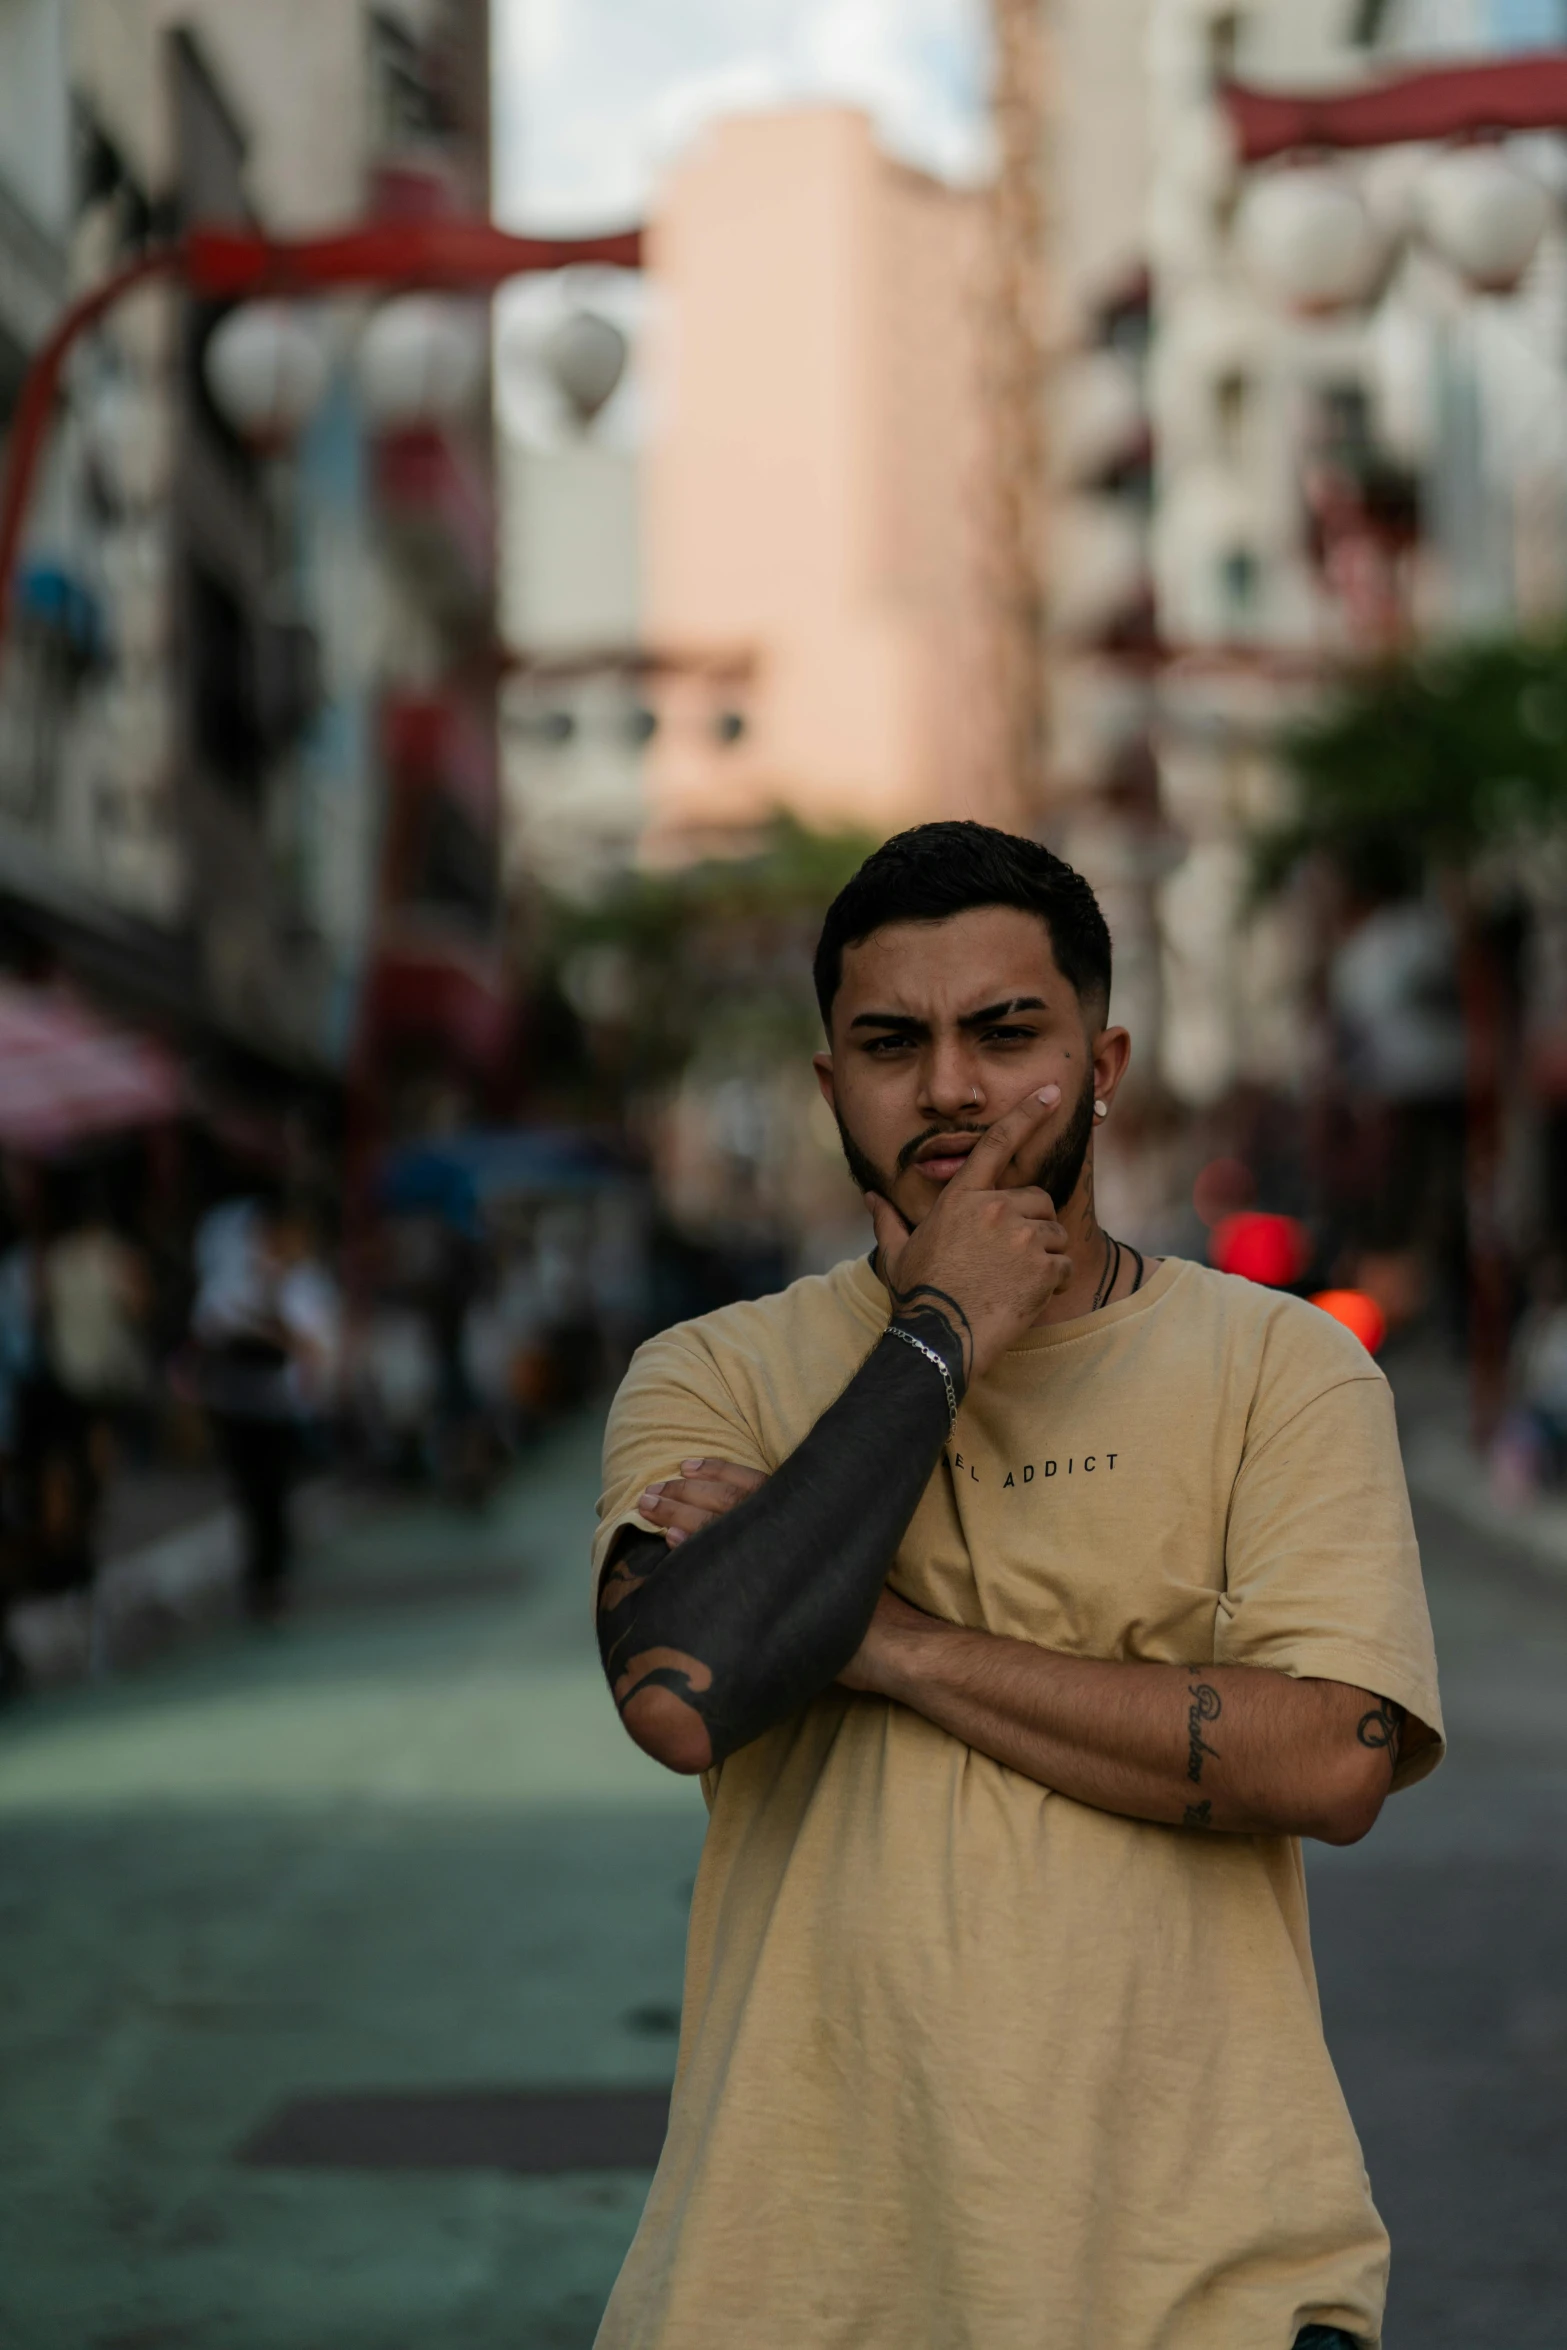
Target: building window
{"points": [[1224, 35], [404, 108], [1370, 23], [454, 864], [223, 684], [1239, 578], [1232, 400]]}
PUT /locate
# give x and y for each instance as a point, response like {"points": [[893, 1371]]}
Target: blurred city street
{"points": [[508, 514], [1439, 1944], [400, 1845]]}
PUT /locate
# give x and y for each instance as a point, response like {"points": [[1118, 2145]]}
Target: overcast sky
{"points": [[594, 96]]}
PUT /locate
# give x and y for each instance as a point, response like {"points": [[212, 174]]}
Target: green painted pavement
{"points": [[400, 1844]]}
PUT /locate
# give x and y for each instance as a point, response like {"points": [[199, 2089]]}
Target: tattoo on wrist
{"points": [[1197, 1815], [1206, 1706], [941, 1322], [1383, 1727]]}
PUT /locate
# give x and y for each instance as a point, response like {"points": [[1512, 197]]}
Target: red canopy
{"points": [[65, 1074]]}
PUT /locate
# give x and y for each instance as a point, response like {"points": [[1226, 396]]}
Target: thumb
{"points": [[892, 1234]]}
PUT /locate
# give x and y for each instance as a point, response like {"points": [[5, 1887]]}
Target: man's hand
{"points": [[987, 1260], [703, 1491], [893, 1625]]}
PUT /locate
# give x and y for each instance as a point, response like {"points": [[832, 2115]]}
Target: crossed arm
{"points": [[1208, 1746], [759, 1593]]}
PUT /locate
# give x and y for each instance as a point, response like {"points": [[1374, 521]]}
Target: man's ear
{"points": [[1112, 1049], [822, 1064]]}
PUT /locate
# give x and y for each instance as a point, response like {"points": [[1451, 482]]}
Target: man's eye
{"points": [[886, 1044], [1008, 1036]]}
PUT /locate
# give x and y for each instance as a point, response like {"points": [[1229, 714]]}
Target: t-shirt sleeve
{"points": [[1322, 1571], [673, 1405]]}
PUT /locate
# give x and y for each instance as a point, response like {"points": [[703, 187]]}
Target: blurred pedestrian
{"points": [[1530, 1448], [18, 1365], [96, 1298], [265, 1326], [90, 1371]]}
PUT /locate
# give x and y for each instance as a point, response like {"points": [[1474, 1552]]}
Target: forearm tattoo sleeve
{"points": [[750, 1618]]}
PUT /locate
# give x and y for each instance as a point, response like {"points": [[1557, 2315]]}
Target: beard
{"points": [[1059, 1170]]}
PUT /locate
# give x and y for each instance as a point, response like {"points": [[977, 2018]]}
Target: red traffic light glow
{"points": [[1273, 1250], [1357, 1312]]}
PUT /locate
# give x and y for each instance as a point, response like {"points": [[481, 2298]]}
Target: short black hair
{"points": [[936, 870]]}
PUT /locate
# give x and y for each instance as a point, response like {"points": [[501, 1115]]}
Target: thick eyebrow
{"points": [[990, 1012], [902, 1021], [907, 1025]]}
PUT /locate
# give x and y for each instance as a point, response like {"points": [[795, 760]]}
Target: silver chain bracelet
{"points": [[931, 1356]]}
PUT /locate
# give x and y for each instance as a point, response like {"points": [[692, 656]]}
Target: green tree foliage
{"points": [[1423, 764], [706, 960]]}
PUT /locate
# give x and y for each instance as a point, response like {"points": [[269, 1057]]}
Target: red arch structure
{"points": [[219, 264], [1489, 97]]}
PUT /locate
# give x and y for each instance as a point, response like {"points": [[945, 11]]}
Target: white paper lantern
{"points": [[266, 370], [1309, 239], [1484, 215], [585, 358], [422, 361]]}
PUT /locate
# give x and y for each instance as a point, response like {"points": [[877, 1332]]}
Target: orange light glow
{"points": [[1357, 1312]]}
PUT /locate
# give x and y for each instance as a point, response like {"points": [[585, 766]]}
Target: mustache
{"points": [[911, 1150]]}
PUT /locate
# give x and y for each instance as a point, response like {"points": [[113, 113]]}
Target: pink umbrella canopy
{"points": [[65, 1074]]}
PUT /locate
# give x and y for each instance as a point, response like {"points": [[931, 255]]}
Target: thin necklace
{"points": [[1112, 1272]]}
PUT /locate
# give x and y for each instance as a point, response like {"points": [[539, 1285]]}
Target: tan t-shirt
{"points": [[966, 2065]]}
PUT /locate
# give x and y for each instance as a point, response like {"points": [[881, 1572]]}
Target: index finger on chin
{"points": [[996, 1148]]}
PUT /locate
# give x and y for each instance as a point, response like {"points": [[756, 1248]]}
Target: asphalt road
{"points": [[402, 1846], [1442, 1951]]}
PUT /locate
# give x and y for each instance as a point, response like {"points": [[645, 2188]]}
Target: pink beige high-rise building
{"points": [[814, 488]]}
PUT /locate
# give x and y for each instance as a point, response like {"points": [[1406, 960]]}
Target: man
{"points": [[1023, 1604], [265, 1327]]}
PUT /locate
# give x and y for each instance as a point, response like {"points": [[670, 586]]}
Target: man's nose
{"points": [[951, 1088]]}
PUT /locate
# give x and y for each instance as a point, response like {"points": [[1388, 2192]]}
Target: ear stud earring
{"points": [[1101, 1109]]}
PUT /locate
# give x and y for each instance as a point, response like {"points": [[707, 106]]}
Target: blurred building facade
{"points": [[257, 804], [759, 584], [814, 454], [1252, 487]]}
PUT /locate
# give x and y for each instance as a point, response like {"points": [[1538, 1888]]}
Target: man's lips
{"points": [[941, 1157]]}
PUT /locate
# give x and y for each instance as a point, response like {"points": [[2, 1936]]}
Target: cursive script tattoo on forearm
{"points": [[1206, 1706], [1382, 1727], [761, 1610]]}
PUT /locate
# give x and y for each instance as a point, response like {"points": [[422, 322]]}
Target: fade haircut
{"points": [[937, 870]]}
